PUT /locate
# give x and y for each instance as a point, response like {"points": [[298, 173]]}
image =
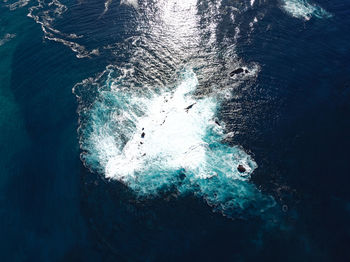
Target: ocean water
{"points": [[123, 124]]}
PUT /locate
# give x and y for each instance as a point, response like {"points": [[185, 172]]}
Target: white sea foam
{"points": [[304, 9], [173, 134]]}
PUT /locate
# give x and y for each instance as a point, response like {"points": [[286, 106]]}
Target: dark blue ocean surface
{"points": [[122, 124]]}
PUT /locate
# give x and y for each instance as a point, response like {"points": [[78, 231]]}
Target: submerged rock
{"points": [[284, 208], [241, 169]]}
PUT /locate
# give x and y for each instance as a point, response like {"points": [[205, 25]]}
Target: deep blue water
{"points": [[290, 114]]}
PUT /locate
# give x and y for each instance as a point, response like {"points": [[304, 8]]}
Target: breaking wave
{"points": [[157, 141]]}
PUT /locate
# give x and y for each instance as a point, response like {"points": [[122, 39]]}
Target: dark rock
{"points": [[189, 107], [237, 71], [241, 169], [143, 135]]}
